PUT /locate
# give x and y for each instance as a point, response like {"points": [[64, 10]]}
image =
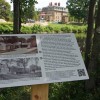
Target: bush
{"points": [[67, 91], [81, 29], [48, 29], [75, 29], [6, 28], [66, 29], [26, 30], [53, 28], [37, 29], [56, 29], [72, 91], [15, 93]]}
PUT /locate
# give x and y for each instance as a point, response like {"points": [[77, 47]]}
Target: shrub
{"points": [[56, 29], [81, 29], [75, 29], [6, 28], [48, 29], [26, 29], [37, 29], [66, 29], [17, 93], [53, 28]]}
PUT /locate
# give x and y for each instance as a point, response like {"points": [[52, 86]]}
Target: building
{"points": [[54, 13], [6, 46]]}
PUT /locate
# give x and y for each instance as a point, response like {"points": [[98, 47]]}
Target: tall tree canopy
{"points": [[4, 10], [78, 8], [27, 9]]}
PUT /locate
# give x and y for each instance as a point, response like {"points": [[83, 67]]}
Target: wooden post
{"points": [[39, 92]]}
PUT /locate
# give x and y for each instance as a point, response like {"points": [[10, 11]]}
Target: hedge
{"points": [[8, 28]]}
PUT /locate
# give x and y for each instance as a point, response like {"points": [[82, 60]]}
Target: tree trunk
{"points": [[16, 23], [95, 54], [20, 17], [89, 31], [96, 42]]}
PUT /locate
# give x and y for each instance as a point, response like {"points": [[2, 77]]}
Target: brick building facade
{"points": [[54, 13]]}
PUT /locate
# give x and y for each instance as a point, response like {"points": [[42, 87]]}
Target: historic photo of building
{"points": [[19, 68], [18, 45]]}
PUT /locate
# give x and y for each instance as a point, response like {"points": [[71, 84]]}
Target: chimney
{"points": [[59, 4], [55, 4], [51, 3]]}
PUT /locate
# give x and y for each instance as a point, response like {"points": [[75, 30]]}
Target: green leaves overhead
{"points": [[4, 10], [27, 9], [78, 8]]}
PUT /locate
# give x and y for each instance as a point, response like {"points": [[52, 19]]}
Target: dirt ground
{"points": [[36, 23]]}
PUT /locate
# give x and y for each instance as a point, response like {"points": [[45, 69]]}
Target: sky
{"points": [[44, 3], [10, 3]]}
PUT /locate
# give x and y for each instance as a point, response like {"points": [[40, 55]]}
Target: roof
{"points": [[55, 8]]}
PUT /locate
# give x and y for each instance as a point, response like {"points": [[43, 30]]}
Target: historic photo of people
{"points": [[25, 44], [18, 68]]}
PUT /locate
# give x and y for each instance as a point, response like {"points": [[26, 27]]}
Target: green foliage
{"points": [[66, 91], [36, 15], [37, 29], [4, 10], [27, 9], [66, 29], [16, 93], [81, 38], [26, 30], [78, 8], [48, 29], [6, 28], [11, 16], [73, 29], [56, 29], [72, 91]]}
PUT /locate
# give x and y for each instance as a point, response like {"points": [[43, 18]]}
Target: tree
{"points": [[90, 30], [94, 62], [23, 62], [7, 63], [36, 15], [4, 10], [21, 10], [78, 8], [28, 10], [16, 16], [90, 33]]}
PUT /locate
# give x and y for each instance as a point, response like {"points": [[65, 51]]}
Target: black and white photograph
{"points": [[18, 68], [18, 45]]}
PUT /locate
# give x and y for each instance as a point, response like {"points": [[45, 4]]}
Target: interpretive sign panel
{"points": [[39, 58]]}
